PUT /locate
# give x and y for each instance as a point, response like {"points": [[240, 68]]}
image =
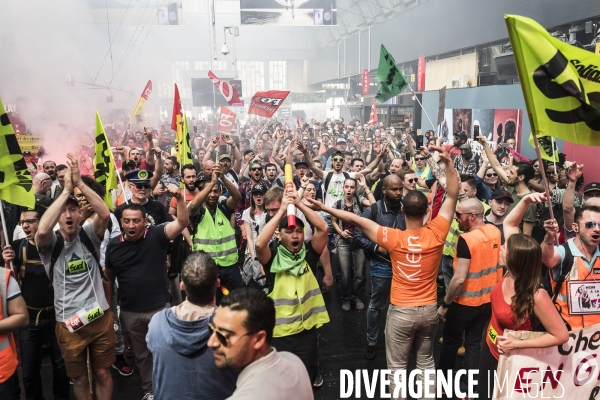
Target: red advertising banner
{"points": [[226, 121], [421, 74], [373, 116], [265, 104], [228, 91], [366, 82]]}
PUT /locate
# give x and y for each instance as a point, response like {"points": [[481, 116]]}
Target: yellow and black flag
{"points": [[16, 186], [560, 82], [104, 163], [548, 148]]}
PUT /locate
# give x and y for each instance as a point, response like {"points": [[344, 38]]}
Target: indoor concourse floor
{"points": [[342, 346]]}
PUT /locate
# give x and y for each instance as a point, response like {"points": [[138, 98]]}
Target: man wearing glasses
{"points": [[38, 293], [139, 184], [242, 331], [135, 154], [179, 336]]}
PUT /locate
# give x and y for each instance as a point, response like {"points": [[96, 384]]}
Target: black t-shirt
{"points": [[36, 287], [462, 249], [311, 258], [155, 210], [141, 269], [500, 227]]}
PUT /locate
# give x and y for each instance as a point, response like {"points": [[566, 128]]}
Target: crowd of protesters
{"points": [[198, 276]]}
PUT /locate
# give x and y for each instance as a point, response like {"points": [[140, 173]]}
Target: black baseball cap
{"points": [[284, 222], [258, 188], [462, 135], [591, 187], [26, 153], [502, 194], [303, 161]]}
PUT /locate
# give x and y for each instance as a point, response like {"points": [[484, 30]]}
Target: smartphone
{"points": [[309, 174], [476, 131]]}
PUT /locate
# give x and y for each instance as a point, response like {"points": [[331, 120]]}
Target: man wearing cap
{"points": [[137, 259], [340, 145], [500, 203], [71, 261], [139, 184], [213, 231], [290, 264], [591, 190], [256, 178], [31, 166], [300, 170], [460, 138], [466, 162]]}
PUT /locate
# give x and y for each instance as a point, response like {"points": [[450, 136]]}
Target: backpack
{"points": [[60, 245], [565, 270], [328, 179]]}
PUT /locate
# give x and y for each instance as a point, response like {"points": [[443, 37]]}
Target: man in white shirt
{"points": [[242, 330]]}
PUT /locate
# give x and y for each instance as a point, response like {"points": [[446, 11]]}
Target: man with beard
{"points": [[271, 173], [290, 267], [50, 169], [137, 259], [170, 177], [386, 212], [467, 163], [500, 203], [38, 293], [242, 334], [189, 177], [460, 138], [213, 231], [245, 190], [70, 258], [139, 184], [467, 304]]}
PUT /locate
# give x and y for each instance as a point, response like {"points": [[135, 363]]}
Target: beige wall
{"points": [[439, 73]]}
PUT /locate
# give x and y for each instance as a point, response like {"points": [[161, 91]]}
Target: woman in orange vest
{"points": [[519, 301]]}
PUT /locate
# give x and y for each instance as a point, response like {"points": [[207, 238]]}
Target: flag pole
{"points": [[543, 173], [422, 108], [554, 153], [120, 183]]}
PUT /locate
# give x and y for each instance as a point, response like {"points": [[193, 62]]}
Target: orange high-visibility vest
{"points": [[8, 349], [579, 272], [484, 272]]}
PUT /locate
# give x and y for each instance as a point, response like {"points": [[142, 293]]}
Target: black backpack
{"points": [[328, 179], [60, 245]]}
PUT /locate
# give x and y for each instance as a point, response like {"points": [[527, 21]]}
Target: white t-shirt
{"points": [[256, 224], [13, 289], [335, 189], [278, 375]]}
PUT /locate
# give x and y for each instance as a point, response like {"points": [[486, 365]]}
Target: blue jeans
{"points": [[447, 269], [380, 298], [352, 269], [31, 338], [410, 328]]}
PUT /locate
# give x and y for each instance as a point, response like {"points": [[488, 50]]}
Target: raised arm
{"points": [[211, 147], [150, 153], [174, 228], [266, 234], [368, 227], [492, 159], [319, 239], [200, 199], [158, 168], [550, 256], [573, 173], [514, 218], [452, 185], [318, 172], [235, 153], [384, 151]]}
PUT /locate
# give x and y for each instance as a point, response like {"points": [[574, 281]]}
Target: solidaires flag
{"points": [[104, 163], [548, 147], [16, 186], [389, 76], [184, 147], [560, 82]]}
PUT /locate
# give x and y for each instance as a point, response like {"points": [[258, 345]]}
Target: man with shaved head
{"points": [[466, 307], [386, 212]]}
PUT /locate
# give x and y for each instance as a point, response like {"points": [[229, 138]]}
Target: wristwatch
{"points": [[444, 305]]}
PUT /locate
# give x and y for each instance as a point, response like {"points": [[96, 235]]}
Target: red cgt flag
{"points": [[176, 111], [143, 98], [373, 116], [228, 91], [265, 104], [226, 120]]}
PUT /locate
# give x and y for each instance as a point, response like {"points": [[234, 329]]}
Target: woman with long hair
{"points": [[519, 301], [254, 218]]}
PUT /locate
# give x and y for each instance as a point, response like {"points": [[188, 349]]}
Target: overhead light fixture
{"points": [[224, 49]]}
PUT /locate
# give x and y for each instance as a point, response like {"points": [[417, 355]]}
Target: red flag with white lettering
{"points": [[228, 91], [226, 121], [373, 116], [265, 104]]}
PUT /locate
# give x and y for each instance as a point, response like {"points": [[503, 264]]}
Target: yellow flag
{"points": [[183, 143], [560, 82], [548, 147], [104, 163], [16, 186]]}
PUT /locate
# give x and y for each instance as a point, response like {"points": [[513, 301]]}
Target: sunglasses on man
{"points": [[224, 340], [491, 175], [337, 159], [141, 186]]}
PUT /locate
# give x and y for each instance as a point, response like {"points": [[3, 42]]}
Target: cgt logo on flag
{"points": [[265, 104]]}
